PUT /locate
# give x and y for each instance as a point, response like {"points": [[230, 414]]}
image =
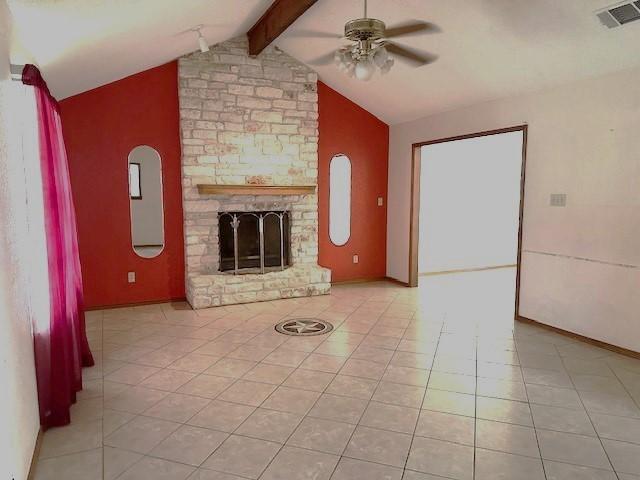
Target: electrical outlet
{"points": [[356, 259], [558, 200], [131, 277], [380, 201]]}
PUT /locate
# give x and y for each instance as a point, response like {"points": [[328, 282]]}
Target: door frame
{"points": [[414, 218]]}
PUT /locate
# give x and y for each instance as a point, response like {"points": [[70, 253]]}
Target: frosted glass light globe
{"points": [[380, 56], [386, 66], [365, 69]]}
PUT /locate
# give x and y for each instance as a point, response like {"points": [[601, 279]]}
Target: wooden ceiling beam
{"points": [[278, 17]]}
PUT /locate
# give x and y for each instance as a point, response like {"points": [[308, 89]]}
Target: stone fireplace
{"points": [[249, 130]]}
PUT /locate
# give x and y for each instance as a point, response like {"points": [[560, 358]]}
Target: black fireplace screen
{"points": [[254, 241]]}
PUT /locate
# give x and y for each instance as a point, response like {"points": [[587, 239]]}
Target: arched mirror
{"points": [[145, 199], [340, 199]]}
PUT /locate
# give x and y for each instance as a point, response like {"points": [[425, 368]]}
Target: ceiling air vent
{"points": [[618, 15]]}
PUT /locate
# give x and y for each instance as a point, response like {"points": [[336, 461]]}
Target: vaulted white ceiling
{"points": [[82, 44], [488, 48]]}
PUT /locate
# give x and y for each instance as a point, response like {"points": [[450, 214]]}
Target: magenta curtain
{"points": [[61, 350]]}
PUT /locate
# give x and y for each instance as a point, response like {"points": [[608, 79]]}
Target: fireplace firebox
{"points": [[254, 242]]}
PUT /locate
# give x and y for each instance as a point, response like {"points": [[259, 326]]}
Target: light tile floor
{"points": [[415, 384]]}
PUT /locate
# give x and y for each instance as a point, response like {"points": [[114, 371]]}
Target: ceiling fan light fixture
{"points": [[365, 68], [380, 56], [351, 70], [370, 49], [386, 66]]}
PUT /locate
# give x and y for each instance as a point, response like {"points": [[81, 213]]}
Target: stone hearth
{"points": [[248, 121]]}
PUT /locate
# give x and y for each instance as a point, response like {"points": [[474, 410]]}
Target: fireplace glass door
{"points": [[254, 242]]}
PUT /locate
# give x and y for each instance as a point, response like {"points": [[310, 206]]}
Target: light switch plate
{"points": [[558, 200], [356, 259], [131, 277], [380, 201]]}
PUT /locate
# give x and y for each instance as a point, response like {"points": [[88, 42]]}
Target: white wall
{"points": [[23, 274], [580, 264], [469, 203]]}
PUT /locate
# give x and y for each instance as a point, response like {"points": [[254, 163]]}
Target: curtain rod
{"points": [[16, 72]]}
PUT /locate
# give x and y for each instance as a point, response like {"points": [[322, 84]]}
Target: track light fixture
{"points": [[202, 42]]}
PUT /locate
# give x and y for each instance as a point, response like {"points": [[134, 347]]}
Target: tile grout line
{"points": [[305, 415], [475, 411], [359, 345], [142, 413], [633, 399], [297, 425], [175, 392], [368, 401], [180, 425], [424, 396], [589, 417], [127, 422], [533, 422], [242, 377], [238, 378]]}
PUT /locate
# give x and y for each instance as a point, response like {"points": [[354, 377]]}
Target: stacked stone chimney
{"points": [[248, 121]]}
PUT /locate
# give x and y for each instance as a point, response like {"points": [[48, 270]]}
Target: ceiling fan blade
{"points": [[313, 34], [325, 59], [413, 57], [411, 27]]}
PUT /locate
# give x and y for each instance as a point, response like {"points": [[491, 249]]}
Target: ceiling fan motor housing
{"points": [[364, 29]]}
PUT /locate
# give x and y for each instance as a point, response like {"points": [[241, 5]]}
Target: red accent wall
{"points": [[349, 129], [100, 128]]}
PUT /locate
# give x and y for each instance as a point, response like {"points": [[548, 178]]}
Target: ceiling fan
{"points": [[371, 46]]}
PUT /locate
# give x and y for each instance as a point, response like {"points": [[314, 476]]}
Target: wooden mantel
{"points": [[213, 189]]}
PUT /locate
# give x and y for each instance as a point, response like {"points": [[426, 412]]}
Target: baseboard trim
{"points": [[184, 299], [592, 341], [370, 280], [359, 280], [396, 281], [136, 304], [35, 456]]}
